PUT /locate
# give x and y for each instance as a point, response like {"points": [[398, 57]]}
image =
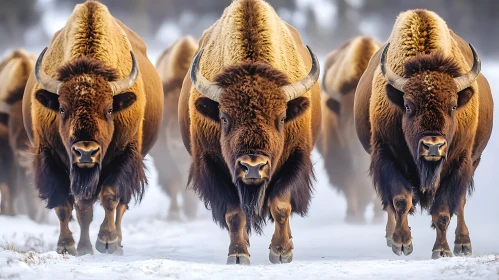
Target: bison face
{"points": [[428, 100], [85, 101]]}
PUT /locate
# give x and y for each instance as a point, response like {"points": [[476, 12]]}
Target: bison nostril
{"points": [[244, 166], [77, 152], [94, 152], [426, 146]]}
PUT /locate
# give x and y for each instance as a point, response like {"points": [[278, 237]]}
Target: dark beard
{"points": [[252, 198], [84, 181], [429, 174]]}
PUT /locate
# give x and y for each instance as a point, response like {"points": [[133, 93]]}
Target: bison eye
{"points": [[407, 108], [454, 108], [224, 120], [61, 110], [109, 111], [283, 120]]}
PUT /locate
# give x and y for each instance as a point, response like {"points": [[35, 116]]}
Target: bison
{"points": [[170, 157], [7, 165], [92, 111], [344, 159], [249, 113], [424, 112], [13, 77]]}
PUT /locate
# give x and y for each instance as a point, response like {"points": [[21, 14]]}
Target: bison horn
{"points": [[47, 83], [467, 79], [299, 88], [393, 79], [205, 87], [126, 83]]}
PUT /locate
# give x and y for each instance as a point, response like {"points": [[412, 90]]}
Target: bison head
{"points": [[253, 103], [429, 96], [86, 96]]}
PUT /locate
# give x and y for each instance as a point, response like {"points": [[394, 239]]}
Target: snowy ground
{"points": [[325, 247]]}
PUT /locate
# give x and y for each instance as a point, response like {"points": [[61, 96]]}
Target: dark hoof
{"points": [[406, 249], [280, 255], [462, 250], [241, 259], [437, 254], [85, 248], [67, 250], [106, 247]]}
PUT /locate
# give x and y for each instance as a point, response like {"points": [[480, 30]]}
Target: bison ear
{"points": [[464, 96], [333, 105], [48, 99], [395, 96], [296, 108], [208, 108], [123, 100]]}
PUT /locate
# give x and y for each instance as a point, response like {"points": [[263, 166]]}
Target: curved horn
{"points": [[126, 83], [47, 83], [467, 79], [393, 79], [299, 88], [205, 87]]}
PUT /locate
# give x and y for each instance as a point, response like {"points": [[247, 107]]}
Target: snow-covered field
{"points": [[325, 247]]}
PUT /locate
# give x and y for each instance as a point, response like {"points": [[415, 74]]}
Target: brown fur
{"points": [[250, 52], [423, 49], [170, 157], [345, 161], [91, 50]]}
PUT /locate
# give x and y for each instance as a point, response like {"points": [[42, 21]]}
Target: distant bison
{"points": [[170, 157], [249, 116], [92, 114], [424, 112], [14, 73], [345, 161]]}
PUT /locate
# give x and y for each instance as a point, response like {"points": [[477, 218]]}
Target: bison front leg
{"points": [[66, 243], [462, 243], [396, 195], [281, 246], [7, 204], [120, 211], [107, 240], [85, 214], [440, 217], [239, 241]]}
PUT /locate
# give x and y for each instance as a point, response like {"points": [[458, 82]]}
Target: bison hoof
{"points": [[106, 247], [462, 250], [241, 259], [67, 250], [85, 248], [437, 254], [398, 250], [389, 241], [281, 254]]}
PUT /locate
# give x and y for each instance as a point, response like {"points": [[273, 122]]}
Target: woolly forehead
{"points": [[431, 74], [254, 86]]}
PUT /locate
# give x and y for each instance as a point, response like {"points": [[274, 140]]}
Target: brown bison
{"points": [[249, 114], [345, 161], [424, 112], [92, 117], [170, 157], [14, 74]]}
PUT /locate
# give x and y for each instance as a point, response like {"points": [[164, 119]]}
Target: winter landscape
{"points": [[325, 246]]}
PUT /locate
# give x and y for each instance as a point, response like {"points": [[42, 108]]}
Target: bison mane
{"points": [[86, 65]]}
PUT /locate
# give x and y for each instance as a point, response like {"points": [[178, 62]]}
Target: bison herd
{"points": [[235, 117]]}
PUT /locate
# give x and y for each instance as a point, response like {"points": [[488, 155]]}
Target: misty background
{"points": [[324, 25]]}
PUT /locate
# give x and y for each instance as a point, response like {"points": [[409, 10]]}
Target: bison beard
{"points": [[429, 175], [252, 199], [84, 181]]}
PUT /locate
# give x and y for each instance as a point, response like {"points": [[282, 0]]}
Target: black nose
{"points": [[252, 171], [433, 146], [86, 152], [433, 149]]}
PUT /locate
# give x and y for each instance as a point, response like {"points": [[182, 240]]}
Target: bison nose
{"points": [[433, 147], [253, 167], [86, 152]]}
